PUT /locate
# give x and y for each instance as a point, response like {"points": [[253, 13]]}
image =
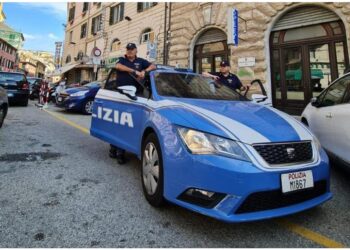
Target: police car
{"points": [[208, 148]]}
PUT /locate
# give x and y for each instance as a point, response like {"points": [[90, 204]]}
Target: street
{"points": [[59, 188]]}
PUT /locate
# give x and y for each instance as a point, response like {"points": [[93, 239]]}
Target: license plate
{"points": [[296, 181], [10, 95], [59, 99]]}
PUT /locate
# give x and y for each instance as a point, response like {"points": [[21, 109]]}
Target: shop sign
{"points": [[232, 27], [246, 62]]}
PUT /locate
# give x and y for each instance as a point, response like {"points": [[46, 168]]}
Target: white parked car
{"points": [[328, 116]]}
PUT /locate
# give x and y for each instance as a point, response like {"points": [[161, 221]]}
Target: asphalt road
{"points": [[59, 188]]}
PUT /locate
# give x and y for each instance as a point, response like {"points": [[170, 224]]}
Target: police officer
{"points": [[225, 77], [127, 65]]}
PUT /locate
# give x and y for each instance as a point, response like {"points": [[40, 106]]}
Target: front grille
{"points": [[285, 153], [276, 199]]}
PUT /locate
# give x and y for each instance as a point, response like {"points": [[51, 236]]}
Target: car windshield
{"points": [[194, 86], [93, 84], [11, 77]]}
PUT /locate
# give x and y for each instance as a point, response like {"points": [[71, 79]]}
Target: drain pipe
{"points": [[168, 34], [165, 34]]}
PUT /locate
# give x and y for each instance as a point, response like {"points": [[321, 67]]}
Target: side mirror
{"points": [[129, 91], [258, 98], [314, 102]]}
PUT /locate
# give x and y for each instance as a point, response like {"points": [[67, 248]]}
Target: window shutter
{"points": [[305, 16], [93, 26], [139, 7], [121, 12], [111, 15]]}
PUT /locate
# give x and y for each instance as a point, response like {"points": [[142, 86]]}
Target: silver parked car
{"points": [[3, 105]]}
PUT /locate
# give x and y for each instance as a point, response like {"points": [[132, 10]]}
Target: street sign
{"points": [[152, 51], [232, 27], [246, 62]]}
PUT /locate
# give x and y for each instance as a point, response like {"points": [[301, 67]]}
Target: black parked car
{"points": [[17, 87], [3, 105], [34, 87]]}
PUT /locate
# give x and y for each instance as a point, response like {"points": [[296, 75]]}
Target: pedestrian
{"points": [[225, 77], [127, 66]]}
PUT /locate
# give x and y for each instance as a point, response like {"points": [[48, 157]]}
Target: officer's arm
{"points": [[122, 67], [150, 68], [206, 74]]}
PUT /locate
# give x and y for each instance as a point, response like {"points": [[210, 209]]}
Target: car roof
{"points": [[16, 73]]}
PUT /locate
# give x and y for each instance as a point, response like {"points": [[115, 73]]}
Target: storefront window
{"points": [[276, 73], [320, 68], [293, 73], [339, 50], [212, 47]]}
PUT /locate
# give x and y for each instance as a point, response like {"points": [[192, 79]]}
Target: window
{"points": [[71, 14], [116, 14], [85, 6], [80, 55], [335, 93], [115, 45], [68, 59], [147, 35], [83, 30], [71, 36], [145, 5], [96, 24]]}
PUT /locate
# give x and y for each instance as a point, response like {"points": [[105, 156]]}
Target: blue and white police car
{"points": [[207, 148]]}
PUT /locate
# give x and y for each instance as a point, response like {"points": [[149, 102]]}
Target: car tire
{"points": [[24, 103], [2, 115], [87, 108], [152, 175]]}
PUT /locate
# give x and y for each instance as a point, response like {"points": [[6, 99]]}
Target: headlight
{"points": [[317, 143], [202, 143], [80, 93]]}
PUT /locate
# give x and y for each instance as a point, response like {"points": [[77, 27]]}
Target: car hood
{"points": [[242, 120], [75, 90]]}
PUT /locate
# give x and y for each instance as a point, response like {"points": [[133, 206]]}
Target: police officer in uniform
{"points": [[225, 77], [127, 66]]}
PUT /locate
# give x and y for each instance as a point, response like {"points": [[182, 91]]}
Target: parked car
{"points": [[79, 99], [328, 116], [210, 149], [34, 87], [52, 92], [3, 105], [17, 87]]}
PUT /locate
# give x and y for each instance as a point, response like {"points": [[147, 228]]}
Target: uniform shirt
{"points": [[124, 78], [231, 80]]}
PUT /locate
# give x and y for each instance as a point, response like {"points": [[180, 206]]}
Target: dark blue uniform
{"points": [[231, 80], [124, 78]]}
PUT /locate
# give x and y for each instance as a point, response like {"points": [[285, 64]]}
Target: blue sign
{"points": [[235, 27]]}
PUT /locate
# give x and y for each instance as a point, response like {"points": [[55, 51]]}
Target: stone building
{"points": [[108, 27], [296, 49], [7, 56]]}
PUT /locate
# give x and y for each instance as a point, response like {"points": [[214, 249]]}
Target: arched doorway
{"points": [[308, 51], [210, 49]]}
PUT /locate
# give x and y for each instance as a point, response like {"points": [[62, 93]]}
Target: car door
{"points": [[116, 118], [340, 117], [324, 120], [256, 93]]}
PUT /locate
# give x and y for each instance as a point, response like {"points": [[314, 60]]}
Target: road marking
{"points": [[302, 231], [310, 235], [82, 129]]}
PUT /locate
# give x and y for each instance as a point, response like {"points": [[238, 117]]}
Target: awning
{"points": [[64, 69]]}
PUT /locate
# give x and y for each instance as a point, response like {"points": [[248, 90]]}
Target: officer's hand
{"points": [[138, 74], [143, 74], [216, 78]]}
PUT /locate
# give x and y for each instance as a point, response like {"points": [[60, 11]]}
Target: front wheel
{"points": [[87, 109], [152, 171]]}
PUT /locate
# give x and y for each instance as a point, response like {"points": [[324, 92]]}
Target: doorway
{"points": [[304, 61], [210, 50]]}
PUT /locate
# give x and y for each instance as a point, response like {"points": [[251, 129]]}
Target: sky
{"points": [[40, 23]]}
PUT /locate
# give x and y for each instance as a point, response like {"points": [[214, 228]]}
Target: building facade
{"points": [[7, 56], [295, 49], [108, 27]]}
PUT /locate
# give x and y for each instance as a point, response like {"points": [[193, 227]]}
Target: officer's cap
{"points": [[131, 46], [224, 64]]}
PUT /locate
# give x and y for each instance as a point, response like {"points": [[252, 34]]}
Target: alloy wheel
{"points": [[150, 168]]}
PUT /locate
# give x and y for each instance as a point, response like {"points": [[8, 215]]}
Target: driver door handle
{"points": [[329, 115]]}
